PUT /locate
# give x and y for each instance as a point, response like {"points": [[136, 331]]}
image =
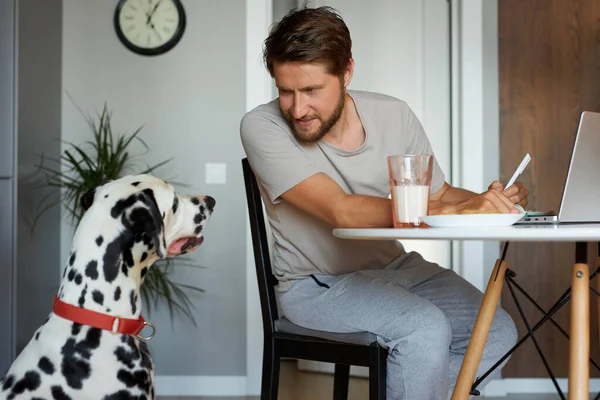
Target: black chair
{"points": [[282, 338]]}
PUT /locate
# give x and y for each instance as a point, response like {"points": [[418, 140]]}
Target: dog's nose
{"points": [[210, 202]]}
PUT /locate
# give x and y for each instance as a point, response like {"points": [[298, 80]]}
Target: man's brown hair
{"points": [[310, 35]]}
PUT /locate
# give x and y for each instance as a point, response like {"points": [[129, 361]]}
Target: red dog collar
{"points": [[107, 322]]}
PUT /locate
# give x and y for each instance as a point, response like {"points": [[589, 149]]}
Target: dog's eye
{"points": [[175, 204]]}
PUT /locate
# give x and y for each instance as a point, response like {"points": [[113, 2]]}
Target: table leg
{"points": [[469, 366], [579, 346]]}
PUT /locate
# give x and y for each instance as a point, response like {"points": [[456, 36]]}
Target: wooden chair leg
{"points": [[270, 373], [469, 366], [579, 350], [341, 380], [378, 374]]}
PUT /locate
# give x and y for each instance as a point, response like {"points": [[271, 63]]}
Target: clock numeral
{"points": [[167, 29], [170, 20], [133, 8], [129, 17], [130, 28]]}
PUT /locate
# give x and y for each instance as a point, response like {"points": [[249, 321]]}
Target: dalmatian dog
{"points": [[92, 344]]}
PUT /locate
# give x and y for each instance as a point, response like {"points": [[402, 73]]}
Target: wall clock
{"points": [[149, 27]]}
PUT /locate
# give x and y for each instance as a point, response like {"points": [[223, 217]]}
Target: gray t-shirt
{"points": [[304, 244]]}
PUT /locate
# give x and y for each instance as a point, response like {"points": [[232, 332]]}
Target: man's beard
{"points": [[304, 135]]}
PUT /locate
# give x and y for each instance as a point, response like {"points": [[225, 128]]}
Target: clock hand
{"points": [[155, 31], [149, 15], [155, 7]]}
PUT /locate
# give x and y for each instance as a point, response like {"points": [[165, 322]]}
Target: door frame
{"points": [[259, 16], [8, 270]]}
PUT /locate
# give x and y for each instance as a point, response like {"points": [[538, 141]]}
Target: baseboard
{"points": [[168, 385], [502, 387], [237, 385]]}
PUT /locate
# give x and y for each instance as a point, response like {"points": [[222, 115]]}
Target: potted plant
{"points": [[105, 157]]}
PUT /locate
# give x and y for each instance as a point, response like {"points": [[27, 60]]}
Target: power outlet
{"points": [[216, 173]]}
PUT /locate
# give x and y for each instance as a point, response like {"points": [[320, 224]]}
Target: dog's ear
{"points": [[154, 225], [87, 199]]}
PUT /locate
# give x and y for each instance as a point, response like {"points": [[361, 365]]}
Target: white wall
{"points": [[190, 102]]}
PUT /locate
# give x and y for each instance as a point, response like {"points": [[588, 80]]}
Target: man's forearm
{"points": [[362, 211], [449, 199]]}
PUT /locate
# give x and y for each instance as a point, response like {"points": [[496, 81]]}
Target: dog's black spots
{"points": [[78, 279], [93, 337], [138, 378], [132, 300], [87, 199], [81, 300], [108, 310], [164, 215], [75, 329], [135, 183], [37, 335], [46, 365], [111, 260], [195, 201], [71, 275], [92, 269], [117, 293], [58, 393], [202, 210], [30, 382], [75, 366], [124, 269], [198, 230], [198, 218], [99, 240], [123, 204], [146, 239], [143, 257], [144, 271], [210, 202], [64, 273], [146, 361], [175, 205], [37, 398], [128, 257], [98, 297], [8, 382], [72, 259], [106, 196], [127, 355], [75, 371], [122, 395]]}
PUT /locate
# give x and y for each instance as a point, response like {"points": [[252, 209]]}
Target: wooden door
{"points": [[549, 65]]}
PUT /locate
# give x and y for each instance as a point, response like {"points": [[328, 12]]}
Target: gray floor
{"points": [[511, 397], [301, 385]]}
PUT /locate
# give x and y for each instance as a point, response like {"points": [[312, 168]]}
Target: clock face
{"points": [[149, 27]]}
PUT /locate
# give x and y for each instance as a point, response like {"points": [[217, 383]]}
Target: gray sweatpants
{"points": [[423, 313]]}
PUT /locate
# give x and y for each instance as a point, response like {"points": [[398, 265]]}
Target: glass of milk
{"points": [[410, 181]]}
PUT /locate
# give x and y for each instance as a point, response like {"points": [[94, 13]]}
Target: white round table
{"points": [[579, 350]]}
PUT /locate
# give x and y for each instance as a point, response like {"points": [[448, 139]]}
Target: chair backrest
{"points": [[260, 243]]}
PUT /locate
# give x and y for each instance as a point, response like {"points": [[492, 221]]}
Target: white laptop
{"points": [[581, 194]]}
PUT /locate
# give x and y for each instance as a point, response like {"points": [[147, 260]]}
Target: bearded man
{"points": [[319, 154]]}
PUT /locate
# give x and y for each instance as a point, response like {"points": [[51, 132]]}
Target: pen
{"points": [[519, 170]]}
